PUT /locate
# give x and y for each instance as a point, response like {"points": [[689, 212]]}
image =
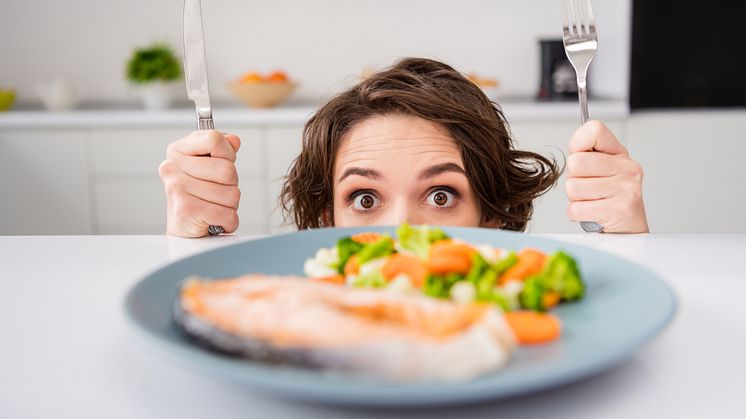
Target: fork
{"points": [[581, 42]]}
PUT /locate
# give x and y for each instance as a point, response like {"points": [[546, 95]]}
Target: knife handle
{"points": [[205, 123]]}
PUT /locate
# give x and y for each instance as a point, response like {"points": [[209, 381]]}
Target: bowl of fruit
{"points": [[488, 85], [262, 91]]}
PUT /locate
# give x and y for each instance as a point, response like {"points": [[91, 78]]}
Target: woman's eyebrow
{"points": [[369, 173], [440, 168]]}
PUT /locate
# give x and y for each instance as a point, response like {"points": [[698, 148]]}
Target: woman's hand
{"points": [[603, 183], [201, 182]]}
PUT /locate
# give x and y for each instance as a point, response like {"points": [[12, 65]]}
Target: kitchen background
{"points": [[93, 170]]}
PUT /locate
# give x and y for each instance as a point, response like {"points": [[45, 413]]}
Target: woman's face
{"points": [[395, 168]]}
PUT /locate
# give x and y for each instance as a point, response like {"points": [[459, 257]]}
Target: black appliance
{"points": [[688, 53], [558, 80]]}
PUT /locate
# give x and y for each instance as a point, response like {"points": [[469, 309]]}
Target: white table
{"points": [[67, 352]]}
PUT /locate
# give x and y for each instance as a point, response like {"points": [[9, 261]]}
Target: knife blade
{"points": [[195, 63], [195, 72]]}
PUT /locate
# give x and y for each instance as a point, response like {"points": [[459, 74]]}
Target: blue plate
{"points": [[625, 306]]}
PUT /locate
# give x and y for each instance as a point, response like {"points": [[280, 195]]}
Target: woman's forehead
{"points": [[397, 140]]}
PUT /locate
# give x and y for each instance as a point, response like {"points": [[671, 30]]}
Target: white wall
{"points": [[324, 43]]}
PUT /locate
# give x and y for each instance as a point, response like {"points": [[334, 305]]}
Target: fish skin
{"points": [[484, 346]]}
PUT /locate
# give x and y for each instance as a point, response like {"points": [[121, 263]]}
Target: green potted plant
{"points": [[6, 99], [154, 69]]}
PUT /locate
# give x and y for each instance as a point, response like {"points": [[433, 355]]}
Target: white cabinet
{"points": [[129, 206], [695, 179], [128, 196], [44, 186], [127, 193], [283, 146], [90, 180]]}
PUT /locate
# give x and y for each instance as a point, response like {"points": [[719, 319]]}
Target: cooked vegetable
{"points": [[550, 299], [561, 274], [531, 327], [417, 240], [346, 247], [531, 296], [463, 292], [373, 250], [371, 280], [352, 266], [439, 286], [332, 279], [559, 281], [506, 263], [366, 238], [530, 262], [411, 266], [426, 260], [446, 256]]}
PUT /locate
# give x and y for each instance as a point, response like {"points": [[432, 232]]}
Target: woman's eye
{"points": [[365, 202], [441, 198]]}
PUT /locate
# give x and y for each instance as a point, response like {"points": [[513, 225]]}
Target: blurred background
{"points": [[91, 93]]}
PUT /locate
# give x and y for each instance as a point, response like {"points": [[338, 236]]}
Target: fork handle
{"points": [[583, 97], [587, 226]]}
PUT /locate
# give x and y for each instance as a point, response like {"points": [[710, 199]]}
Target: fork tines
{"points": [[577, 18]]}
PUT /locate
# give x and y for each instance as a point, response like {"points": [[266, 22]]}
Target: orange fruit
{"points": [[277, 77], [251, 77]]}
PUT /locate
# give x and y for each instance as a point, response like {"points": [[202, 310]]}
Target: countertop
{"points": [[232, 114], [68, 352]]}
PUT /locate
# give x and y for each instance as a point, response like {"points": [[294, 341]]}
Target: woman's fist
{"points": [[201, 182], [603, 183]]}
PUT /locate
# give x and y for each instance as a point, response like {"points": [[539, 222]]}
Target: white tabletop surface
{"points": [[67, 350]]}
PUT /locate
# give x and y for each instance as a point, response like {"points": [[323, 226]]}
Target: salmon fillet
{"points": [[367, 331]]}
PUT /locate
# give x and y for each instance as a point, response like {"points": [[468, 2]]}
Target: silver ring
{"points": [[215, 230], [591, 227]]}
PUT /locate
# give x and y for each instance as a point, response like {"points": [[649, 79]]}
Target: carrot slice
{"points": [[447, 256], [531, 327], [332, 279], [412, 266], [352, 267], [365, 238], [550, 299], [530, 262]]}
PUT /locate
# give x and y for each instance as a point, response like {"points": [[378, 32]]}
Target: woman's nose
{"points": [[400, 213]]}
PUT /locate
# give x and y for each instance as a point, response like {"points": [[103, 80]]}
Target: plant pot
{"points": [[156, 96]]}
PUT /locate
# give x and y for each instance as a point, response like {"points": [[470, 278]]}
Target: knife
{"points": [[195, 71]]}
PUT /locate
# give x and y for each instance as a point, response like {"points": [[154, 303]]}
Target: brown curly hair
{"points": [[505, 180]]}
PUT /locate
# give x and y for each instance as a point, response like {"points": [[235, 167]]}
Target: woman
{"points": [[417, 142]]}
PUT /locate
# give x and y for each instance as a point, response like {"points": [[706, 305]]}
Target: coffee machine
{"points": [[557, 74]]}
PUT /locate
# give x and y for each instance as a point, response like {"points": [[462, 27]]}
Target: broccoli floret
{"points": [[418, 239], [478, 266], [496, 297], [380, 248], [346, 247], [531, 297], [506, 263], [484, 278], [439, 286], [561, 274]]}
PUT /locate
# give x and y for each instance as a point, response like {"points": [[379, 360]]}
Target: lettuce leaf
{"points": [[418, 239]]}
